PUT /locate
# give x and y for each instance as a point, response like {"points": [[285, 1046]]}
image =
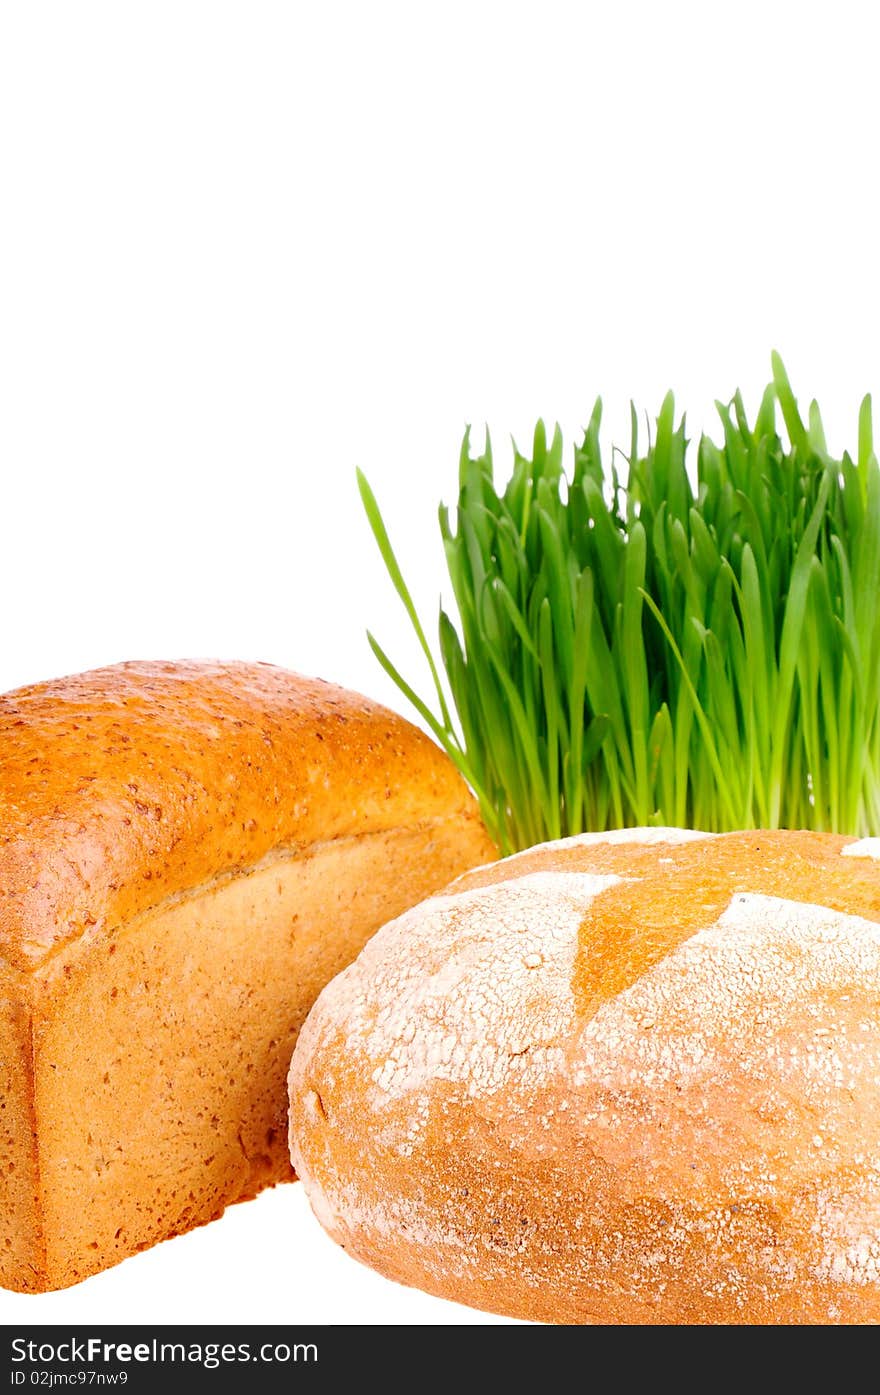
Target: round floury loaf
{"points": [[623, 1078]]}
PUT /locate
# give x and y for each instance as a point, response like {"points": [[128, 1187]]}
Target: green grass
{"points": [[647, 652]]}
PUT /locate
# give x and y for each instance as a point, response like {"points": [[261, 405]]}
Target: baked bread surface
{"points": [[624, 1078], [126, 785], [188, 852]]}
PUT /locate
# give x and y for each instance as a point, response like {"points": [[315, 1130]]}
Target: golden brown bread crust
{"points": [[129, 784], [188, 852], [628, 1078]]}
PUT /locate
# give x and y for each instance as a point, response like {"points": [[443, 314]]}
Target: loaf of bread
{"points": [[188, 852], [624, 1078]]}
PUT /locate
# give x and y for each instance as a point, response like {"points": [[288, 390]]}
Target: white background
{"points": [[245, 247]]}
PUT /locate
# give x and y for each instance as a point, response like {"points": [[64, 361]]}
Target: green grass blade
{"points": [[374, 518], [690, 651]]}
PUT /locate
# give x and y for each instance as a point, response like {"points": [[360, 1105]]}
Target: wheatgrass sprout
{"points": [[700, 654]]}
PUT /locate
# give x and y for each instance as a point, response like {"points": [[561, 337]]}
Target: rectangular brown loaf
{"points": [[188, 852]]}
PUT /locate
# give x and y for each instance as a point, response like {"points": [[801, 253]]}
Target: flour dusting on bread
{"points": [[614, 1080], [865, 847], [475, 987], [643, 837]]}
